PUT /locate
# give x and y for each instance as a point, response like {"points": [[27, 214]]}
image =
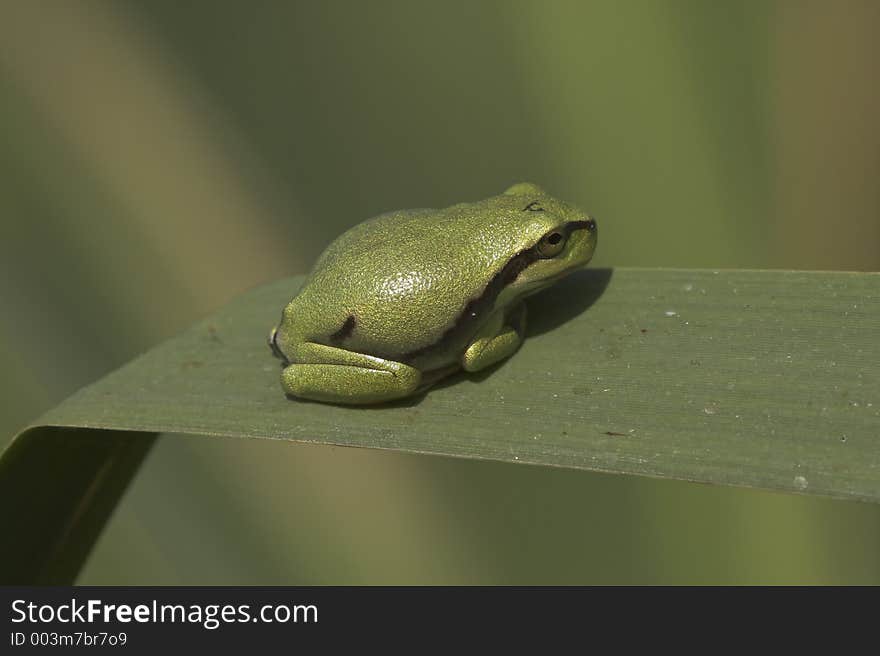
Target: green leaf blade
{"points": [[751, 378]]}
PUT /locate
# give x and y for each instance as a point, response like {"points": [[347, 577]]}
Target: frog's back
{"points": [[397, 284]]}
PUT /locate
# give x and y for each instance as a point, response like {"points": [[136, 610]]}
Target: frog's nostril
{"points": [[591, 225]]}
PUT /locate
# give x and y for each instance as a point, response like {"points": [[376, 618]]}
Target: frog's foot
{"points": [[334, 375], [497, 340], [432, 376]]}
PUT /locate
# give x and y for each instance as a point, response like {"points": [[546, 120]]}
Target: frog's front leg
{"points": [[498, 339], [334, 375]]}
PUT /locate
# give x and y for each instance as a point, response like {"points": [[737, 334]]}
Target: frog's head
{"points": [[557, 239]]}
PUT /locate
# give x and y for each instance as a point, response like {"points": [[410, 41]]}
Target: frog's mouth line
{"points": [[544, 283]]}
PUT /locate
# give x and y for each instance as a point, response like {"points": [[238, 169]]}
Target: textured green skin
{"points": [[380, 316]]}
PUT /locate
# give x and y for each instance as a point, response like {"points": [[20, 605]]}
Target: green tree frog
{"points": [[400, 301]]}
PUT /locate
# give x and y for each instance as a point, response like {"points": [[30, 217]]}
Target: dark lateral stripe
{"points": [[476, 307], [345, 330]]}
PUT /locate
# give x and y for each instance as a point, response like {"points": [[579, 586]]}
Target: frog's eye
{"points": [[551, 245], [533, 207]]}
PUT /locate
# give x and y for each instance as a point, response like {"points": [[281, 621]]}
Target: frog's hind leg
{"points": [[334, 375]]}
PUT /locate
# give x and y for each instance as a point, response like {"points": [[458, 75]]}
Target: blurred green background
{"points": [[158, 158]]}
